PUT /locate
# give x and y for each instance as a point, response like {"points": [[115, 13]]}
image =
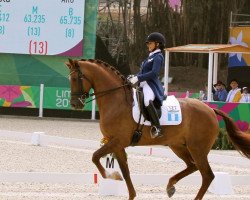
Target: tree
{"points": [[196, 21]]}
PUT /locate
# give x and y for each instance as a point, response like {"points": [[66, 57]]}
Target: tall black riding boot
{"points": [[154, 118]]}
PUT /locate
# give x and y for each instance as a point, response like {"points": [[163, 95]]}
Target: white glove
{"points": [[130, 76], [133, 80]]}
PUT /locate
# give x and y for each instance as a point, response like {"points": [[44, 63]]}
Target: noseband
{"points": [[83, 95]]}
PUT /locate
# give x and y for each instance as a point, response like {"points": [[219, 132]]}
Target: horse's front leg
{"points": [[109, 147], [122, 160]]}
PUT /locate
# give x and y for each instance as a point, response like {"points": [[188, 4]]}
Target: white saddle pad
{"points": [[171, 112]]}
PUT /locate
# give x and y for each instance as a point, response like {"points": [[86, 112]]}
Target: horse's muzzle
{"points": [[76, 104]]}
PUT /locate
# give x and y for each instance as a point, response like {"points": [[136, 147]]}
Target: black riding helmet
{"points": [[157, 37]]}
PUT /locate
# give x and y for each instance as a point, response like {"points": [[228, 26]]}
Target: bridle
{"points": [[83, 95]]}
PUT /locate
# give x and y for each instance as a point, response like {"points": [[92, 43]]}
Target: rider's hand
{"points": [[133, 80], [130, 76]]}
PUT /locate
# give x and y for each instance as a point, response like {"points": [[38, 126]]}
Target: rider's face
{"points": [[152, 46]]}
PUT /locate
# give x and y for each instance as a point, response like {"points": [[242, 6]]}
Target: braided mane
{"points": [[104, 64]]}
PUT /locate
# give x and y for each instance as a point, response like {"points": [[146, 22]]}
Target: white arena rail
{"points": [[91, 178], [39, 138]]}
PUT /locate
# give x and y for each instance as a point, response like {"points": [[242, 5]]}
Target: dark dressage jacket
{"points": [[150, 70]]}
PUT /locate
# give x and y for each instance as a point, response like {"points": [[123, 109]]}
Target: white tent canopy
{"points": [[213, 50]]}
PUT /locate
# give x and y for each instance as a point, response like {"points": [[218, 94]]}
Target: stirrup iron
{"points": [[155, 132]]}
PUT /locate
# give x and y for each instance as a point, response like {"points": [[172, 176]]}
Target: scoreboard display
{"points": [[42, 27]]}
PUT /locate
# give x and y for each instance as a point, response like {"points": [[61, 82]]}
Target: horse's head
{"points": [[79, 84]]}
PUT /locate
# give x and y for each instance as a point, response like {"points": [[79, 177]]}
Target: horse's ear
{"points": [[70, 64], [71, 61]]}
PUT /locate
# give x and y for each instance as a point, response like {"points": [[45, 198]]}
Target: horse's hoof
{"points": [[171, 191], [115, 176], [132, 198]]}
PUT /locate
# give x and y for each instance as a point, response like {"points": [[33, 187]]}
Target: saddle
{"points": [[142, 107], [169, 113]]}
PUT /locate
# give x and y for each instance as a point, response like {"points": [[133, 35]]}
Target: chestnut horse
{"points": [[191, 140]]}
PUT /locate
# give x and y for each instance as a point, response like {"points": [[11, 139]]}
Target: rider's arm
{"points": [[157, 63]]}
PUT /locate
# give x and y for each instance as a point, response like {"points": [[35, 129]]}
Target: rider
{"points": [[148, 78]]}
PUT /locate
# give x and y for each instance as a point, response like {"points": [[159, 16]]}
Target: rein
{"points": [[98, 94], [86, 95]]}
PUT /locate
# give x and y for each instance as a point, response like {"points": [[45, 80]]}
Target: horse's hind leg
{"points": [[122, 160], [183, 153], [203, 166]]}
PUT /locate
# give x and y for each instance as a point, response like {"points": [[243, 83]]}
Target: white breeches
{"points": [[148, 93]]}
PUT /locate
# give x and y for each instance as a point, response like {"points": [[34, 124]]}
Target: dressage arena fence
{"points": [[43, 140]]}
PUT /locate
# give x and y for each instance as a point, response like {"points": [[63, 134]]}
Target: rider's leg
{"points": [[148, 94], [154, 118]]}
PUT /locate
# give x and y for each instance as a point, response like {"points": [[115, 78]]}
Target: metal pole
{"points": [[93, 109], [41, 100], [231, 18], [215, 68], [166, 72], [210, 71]]}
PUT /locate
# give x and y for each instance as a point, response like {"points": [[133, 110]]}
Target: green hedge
{"points": [[222, 142]]}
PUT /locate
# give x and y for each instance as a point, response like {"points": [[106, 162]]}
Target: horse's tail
{"points": [[239, 139]]}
